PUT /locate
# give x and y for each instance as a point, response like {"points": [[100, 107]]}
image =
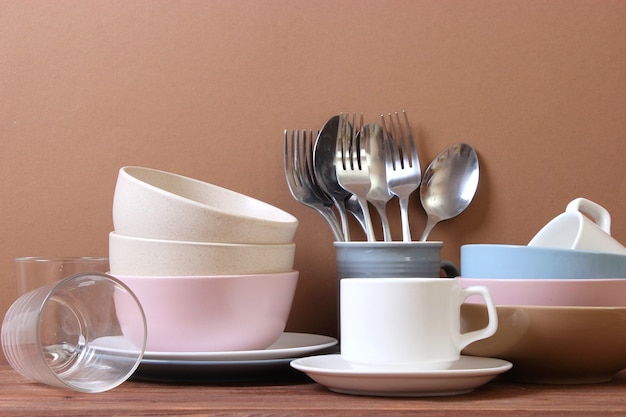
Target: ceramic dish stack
{"points": [[212, 268], [561, 311]]}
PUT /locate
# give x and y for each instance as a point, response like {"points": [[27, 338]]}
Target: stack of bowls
{"points": [[561, 312], [212, 268]]}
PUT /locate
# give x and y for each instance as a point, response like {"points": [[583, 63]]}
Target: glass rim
{"points": [[66, 259]]}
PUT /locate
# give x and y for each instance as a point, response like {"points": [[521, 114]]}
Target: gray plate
{"points": [[214, 371]]}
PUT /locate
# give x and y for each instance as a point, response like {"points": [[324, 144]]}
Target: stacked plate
{"points": [[272, 362]]}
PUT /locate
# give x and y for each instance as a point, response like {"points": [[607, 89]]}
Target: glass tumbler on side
{"points": [[68, 334]]}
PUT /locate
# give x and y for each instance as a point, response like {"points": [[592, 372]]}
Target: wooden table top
{"points": [[295, 394]]}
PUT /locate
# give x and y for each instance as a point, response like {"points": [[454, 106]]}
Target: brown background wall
{"points": [[205, 89]]}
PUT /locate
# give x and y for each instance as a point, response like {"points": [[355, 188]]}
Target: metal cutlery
{"points": [[403, 171], [352, 168], [324, 169], [349, 165], [301, 181], [372, 137], [354, 207], [449, 184]]}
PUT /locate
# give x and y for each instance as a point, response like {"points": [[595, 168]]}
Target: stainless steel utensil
{"points": [[449, 184], [352, 204], [372, 138], [354, 207], [352, 169], [325, 173], [403, 166], [301, 181]]}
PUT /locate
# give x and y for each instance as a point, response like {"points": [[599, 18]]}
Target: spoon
{"points": [[324, 168], [449, 184]]}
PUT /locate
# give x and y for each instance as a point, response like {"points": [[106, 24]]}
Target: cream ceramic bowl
{"points": [[555, 345], [159, 205], [138, 256], [552, 292], [213, 313]]}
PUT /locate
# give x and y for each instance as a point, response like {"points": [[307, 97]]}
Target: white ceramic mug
{"points": [[573, 230], [407, 323]]}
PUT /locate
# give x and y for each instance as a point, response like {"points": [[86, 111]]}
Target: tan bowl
{"points": [[213, 313], [553, 345], [155, 257], [159, 205]]}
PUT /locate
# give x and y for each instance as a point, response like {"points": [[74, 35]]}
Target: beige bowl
{"points": [[159, 205], [554, 345], [213, 313], [155, 257]]}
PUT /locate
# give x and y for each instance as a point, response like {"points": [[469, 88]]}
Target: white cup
{"points": [[575, 230], [407, 323]]}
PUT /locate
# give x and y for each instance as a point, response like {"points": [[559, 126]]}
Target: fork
{"points": [[352, 169], [379, 194], [402, 166], [301, 181], [352, 203]]}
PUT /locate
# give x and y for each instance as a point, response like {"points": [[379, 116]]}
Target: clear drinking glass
{"points": [[34, 272], [68, 334]]}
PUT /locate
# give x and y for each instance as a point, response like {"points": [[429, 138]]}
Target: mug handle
{"points": [[492, 326], [449, 268], [598, 214]]}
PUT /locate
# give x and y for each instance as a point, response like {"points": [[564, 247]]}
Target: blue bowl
{"points": [[532, 262]]}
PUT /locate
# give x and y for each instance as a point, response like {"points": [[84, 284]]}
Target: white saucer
{"points": [[466, 374], [288, 345]]}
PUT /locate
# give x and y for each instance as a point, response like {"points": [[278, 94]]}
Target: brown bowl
{"points": [[553, 345]]}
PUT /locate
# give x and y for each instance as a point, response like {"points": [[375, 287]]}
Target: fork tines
{"points": [[404, 152], [300, 176]]}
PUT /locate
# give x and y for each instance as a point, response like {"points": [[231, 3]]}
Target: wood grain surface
{"points": [[299, 396]]}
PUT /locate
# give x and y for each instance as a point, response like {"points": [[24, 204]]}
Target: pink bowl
{"points": [[552, 292], [213, 313]]}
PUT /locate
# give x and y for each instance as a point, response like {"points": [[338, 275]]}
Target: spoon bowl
{"points": [[324, 168], [449, 184]]}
